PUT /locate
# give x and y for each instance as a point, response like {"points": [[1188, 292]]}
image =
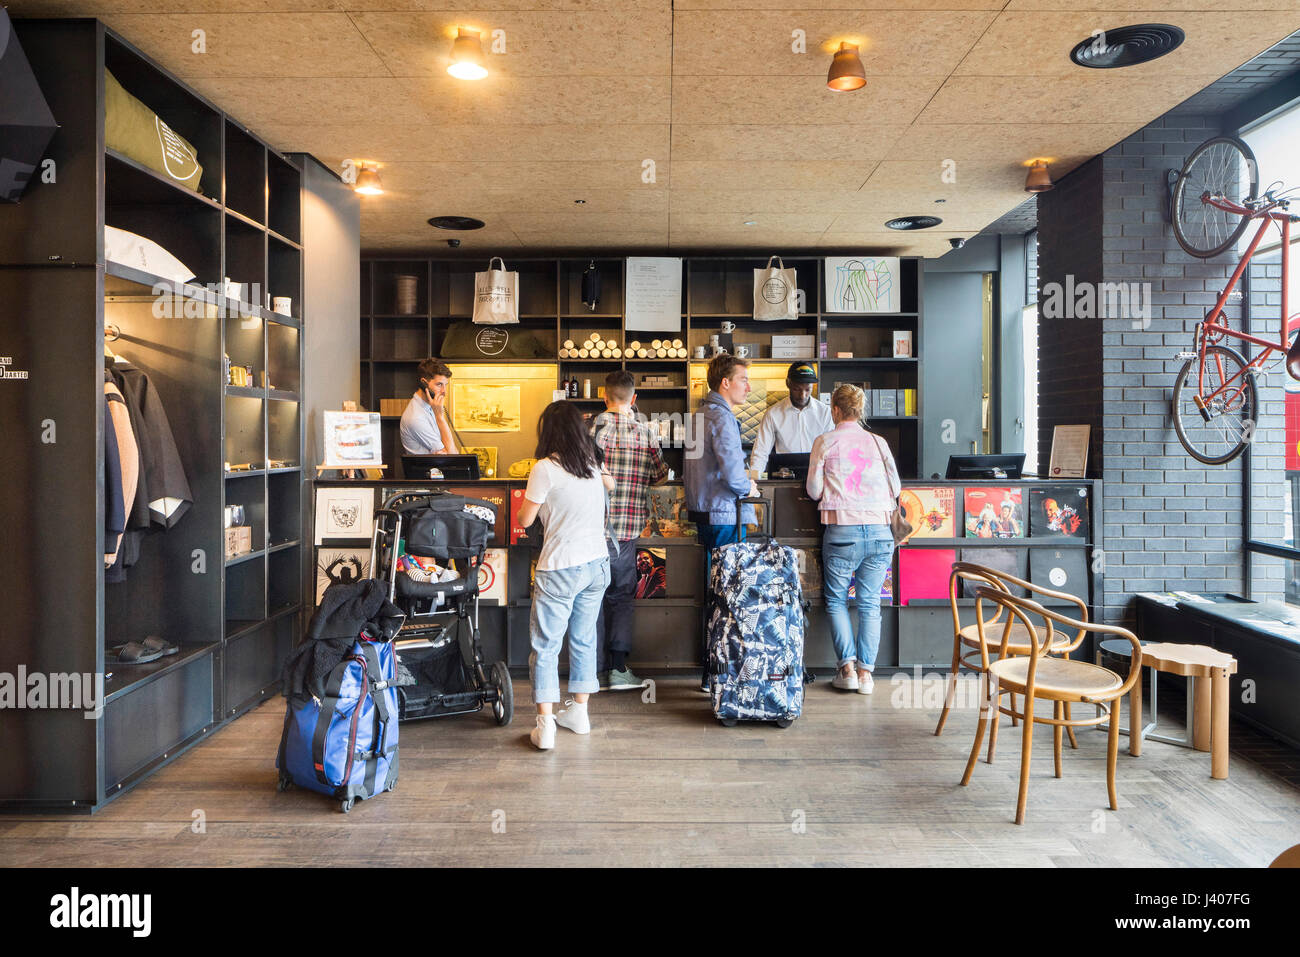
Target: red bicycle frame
{"points": [[1210, 327]]}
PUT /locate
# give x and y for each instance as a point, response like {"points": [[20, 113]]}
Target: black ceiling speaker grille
{"points": [[456, 222], [914, 222], [1126, 46]]}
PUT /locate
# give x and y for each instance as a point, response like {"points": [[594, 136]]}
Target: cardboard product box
{"points": [[239, 541], [806, 343], [792, 352]]}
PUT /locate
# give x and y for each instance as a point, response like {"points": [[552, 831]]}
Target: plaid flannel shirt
{"points": [[632, 457]]}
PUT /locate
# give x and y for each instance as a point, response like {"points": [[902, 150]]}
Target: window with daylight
{"points": [[1271, 469]]}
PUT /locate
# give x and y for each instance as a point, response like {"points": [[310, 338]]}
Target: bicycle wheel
{"points": [[1224, 166], [1233, 413]]}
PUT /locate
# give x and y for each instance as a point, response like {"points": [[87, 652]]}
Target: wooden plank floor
{"points": [[664, 784]]}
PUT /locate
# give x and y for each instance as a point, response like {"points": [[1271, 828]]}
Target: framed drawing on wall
{"points": [[862, 284], [1069, 451]]}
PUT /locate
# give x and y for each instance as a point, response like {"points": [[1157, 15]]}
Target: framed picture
{"points": [[344, 513], [484, 407], [487, 459], [651, 573], [341, 566], [862, 284], [1069, 451], [492, 576], [352, 440]]}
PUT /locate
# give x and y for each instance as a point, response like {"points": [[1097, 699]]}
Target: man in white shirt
{"points": [[425, 429], [791, 425]]}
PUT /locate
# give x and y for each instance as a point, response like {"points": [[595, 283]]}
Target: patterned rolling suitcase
{"points": [[755, 630]]}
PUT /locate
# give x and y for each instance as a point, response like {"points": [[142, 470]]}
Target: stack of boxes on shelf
{"points": [[656, 382]]}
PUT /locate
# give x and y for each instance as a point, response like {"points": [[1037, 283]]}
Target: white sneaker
{"points": [[865, 684], [543, 736], [574, 717], [845, 682]]}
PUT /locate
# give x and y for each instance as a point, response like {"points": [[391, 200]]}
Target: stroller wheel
{"points": [[503, 709]]}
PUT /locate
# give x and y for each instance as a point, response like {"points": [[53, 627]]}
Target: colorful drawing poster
{"points": [[651, 573], [931, 510], [862, 284], [1059, 511], [994, 512], [924, 572]]}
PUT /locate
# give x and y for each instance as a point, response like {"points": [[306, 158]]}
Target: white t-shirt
{"points": [[572, 512]]}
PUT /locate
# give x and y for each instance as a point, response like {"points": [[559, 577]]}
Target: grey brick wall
{"points": [[1170, 522]]}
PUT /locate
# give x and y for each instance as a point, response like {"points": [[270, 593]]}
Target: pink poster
{"points": [[924, 572]]}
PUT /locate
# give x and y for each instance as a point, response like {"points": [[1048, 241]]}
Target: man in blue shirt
{"points": [[714, 470], [425, 429]]}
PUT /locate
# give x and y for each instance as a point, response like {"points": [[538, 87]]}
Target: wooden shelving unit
{"points": [[437, 292], [236, 619]]}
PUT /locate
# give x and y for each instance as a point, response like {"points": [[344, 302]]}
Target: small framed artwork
{"points": [[352, 440], [347, 513], [1069, 451]]}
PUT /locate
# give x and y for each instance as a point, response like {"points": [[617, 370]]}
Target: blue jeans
{"points": [[860, 553], [566, 599], [711, 536]]}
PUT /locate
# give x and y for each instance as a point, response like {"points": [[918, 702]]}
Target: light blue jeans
{"points": [[861, 554], [566, 599]]}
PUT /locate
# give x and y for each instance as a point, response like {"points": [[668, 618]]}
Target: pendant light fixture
{"points": [[1038, 180], [367, 183], [467, 56], [846, 73]]}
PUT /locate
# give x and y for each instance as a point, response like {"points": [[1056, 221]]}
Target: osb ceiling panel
{"points": [[678, 122]]}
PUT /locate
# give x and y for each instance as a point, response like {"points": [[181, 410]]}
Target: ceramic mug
{"points": [[700, 352], [282, 305], [742, 352], [728, 328]]}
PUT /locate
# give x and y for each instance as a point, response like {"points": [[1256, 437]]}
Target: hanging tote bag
{"points": [[496, 295], [776, 293]]}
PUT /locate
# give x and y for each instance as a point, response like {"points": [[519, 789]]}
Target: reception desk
{"points": [[668, 638]]}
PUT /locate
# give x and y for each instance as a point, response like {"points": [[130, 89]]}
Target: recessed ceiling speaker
{"points": [[1127, 46], [914, 222], [457, 222]]}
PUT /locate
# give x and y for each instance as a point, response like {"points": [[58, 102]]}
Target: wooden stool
{"points": [[1210, 668]]}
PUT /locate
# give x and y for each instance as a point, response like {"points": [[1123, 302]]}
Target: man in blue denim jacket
{"points": [[715, 473]]}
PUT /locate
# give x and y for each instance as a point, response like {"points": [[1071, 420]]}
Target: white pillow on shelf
{"points": [[128, 249]]}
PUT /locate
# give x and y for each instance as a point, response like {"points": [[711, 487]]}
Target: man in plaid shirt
{"points": [[632, 457]]}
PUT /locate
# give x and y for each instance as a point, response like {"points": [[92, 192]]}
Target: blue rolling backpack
{"points": [[344, 743]]}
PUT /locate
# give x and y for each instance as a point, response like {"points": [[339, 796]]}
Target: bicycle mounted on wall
{"points": [[1214, 199]]}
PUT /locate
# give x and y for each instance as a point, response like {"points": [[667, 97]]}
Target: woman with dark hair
{"points": [[566, 488]]}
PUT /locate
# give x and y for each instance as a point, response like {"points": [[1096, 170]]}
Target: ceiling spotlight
{"points": [[1125, 46], [914, 222], [750, 222], [580, 202], [941, 201], [467, 56], [1038, 180], [367, 183], [846, 73]]}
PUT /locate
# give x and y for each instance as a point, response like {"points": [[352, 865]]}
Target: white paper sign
{"points": [[352, 440], [653, 293]]}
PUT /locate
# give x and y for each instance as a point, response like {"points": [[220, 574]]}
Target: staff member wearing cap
{"points": [[791, 425]]}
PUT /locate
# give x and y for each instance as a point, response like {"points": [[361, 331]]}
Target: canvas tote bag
{"points": [[776, 293], [496, 294]]}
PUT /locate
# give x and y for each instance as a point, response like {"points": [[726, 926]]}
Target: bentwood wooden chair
{"points": [[1041, 675], [966, 641]]}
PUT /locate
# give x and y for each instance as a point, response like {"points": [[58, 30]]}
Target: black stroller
{"points": [[440, 668]]}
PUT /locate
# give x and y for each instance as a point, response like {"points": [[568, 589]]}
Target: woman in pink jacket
{"points": [[851, 473]]}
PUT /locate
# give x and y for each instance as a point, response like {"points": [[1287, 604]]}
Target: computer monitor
{"points": [[460, 468], [1009, 466], [796, 462]]}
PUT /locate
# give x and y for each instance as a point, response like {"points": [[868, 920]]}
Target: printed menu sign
{"points": [[653, 295]]}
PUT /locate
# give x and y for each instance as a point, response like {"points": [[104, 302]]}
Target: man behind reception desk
{"points": [[714, 474], [425, 429], [790, 425]]}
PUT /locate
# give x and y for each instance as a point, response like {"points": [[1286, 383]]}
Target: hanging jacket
{"points": [[114, 503], [118, 419], [164, 490]]}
